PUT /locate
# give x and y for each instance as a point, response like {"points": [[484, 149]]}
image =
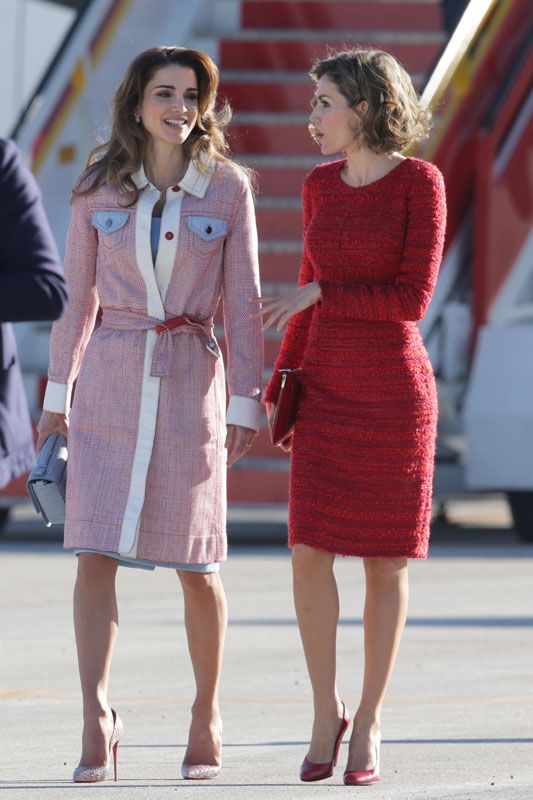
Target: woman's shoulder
{"points": [[230, 175], [322, 174], [96, 198], [424, 172]]}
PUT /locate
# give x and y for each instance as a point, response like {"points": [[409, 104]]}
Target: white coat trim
{"points": [[143, 251], [57, 397], [143, 451], [244, 411], [166, 249], [150, 385]]}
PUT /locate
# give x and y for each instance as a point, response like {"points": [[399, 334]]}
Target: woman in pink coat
{"points": [[162, 226]]}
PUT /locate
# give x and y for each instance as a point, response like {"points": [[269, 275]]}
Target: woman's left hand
{"points": [[238, 442], [279, 310]]}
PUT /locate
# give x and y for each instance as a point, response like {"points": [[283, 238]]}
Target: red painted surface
{"points": [[279, 182], [280, 266], [16, 488], [275, 224], [504, 201], [357, 16], [287, 96], [282, 96], [258, 486], [251, 138], [299, 55]]}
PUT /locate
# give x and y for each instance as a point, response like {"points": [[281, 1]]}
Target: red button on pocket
{"points": [[169, 235], [175, 188]]}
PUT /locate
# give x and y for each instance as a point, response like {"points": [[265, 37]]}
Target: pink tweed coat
{"points": [[147, 462]]}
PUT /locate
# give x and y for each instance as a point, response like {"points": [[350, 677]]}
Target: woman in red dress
{"points": [[364, 441]]}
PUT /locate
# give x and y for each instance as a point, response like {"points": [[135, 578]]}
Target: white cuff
{"points": [[244, 411], [57, 397]]}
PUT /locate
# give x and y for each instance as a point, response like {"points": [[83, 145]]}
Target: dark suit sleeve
{"points": [[32, 286]]}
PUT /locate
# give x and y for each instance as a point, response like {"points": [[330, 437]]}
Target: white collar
{"points": [[194, 182]]}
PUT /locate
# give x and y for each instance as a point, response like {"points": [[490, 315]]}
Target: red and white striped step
{"points": [[296, 50], [275, 90]]}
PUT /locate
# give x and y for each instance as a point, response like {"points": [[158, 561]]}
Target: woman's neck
{"points": [[363, 166], [164, 166]]}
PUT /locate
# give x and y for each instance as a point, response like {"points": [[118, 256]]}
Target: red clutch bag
{"points": [[287, 405]]}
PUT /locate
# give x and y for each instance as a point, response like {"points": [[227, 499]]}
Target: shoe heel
{"points": [[115, 749]]}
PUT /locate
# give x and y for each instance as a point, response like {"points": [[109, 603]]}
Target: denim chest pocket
{"points": [[111, 224], [206, 233]]}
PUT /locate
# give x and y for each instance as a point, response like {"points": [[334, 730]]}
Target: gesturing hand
{"points": [[278, 310]]}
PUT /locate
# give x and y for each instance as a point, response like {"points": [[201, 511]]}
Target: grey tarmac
{"points": [[458, 718]]}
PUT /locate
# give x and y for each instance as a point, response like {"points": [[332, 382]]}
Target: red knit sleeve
{"points": [[295, 338], [407, 298]]}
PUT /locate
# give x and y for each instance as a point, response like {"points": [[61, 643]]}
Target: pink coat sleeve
{"points": [[244, 338], [295, 339], [407, 298], [71, 333]]}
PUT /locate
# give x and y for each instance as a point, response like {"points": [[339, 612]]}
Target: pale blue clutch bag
{"points": [[47, 481]]}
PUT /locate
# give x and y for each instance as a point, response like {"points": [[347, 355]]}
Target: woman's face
{"points": [[169, 107], [333, 124]]}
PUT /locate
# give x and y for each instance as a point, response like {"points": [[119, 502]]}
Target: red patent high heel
{"points": [[317, 772], [363, 778]]}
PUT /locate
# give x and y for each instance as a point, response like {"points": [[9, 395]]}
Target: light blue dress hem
{"points": [[140, 563]]}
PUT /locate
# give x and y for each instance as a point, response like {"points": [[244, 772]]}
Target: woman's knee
{"points": [[385, 569], [199, 582], [93, 568], [310, 562]]}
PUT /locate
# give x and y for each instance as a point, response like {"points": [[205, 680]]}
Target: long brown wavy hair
{"points": [[395, 118], [114, 161]]}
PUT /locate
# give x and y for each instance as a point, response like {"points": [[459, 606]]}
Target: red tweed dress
{"points": [[364, 442]]}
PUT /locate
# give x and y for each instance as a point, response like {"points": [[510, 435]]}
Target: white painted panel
{"points": [[499, 410]]}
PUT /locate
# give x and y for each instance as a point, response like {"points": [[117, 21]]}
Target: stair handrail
{"points": [[466, 32], [37, 92]]}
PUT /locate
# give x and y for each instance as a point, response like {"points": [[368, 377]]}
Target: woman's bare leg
{"points": [[316, 601], [387, 591], [96, 626], [205, 622]]}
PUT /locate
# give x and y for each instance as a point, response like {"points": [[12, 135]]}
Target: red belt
{"points": [[166, 358], [170, 324]]}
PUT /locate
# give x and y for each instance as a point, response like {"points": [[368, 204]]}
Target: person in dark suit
{"points": [[32, 287]]}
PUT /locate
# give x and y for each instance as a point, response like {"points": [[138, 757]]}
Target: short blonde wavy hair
{"points": [[395, 118]]}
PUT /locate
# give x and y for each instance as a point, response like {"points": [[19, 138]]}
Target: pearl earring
{"points": [[137, 119]]}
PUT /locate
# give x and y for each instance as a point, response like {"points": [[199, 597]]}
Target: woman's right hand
{"points": [[50, 422], [286, 444]]}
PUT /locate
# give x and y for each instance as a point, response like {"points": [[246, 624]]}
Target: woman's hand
{"points": [[49, 423], [238, 442], [279, 310], [286, 444]]}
